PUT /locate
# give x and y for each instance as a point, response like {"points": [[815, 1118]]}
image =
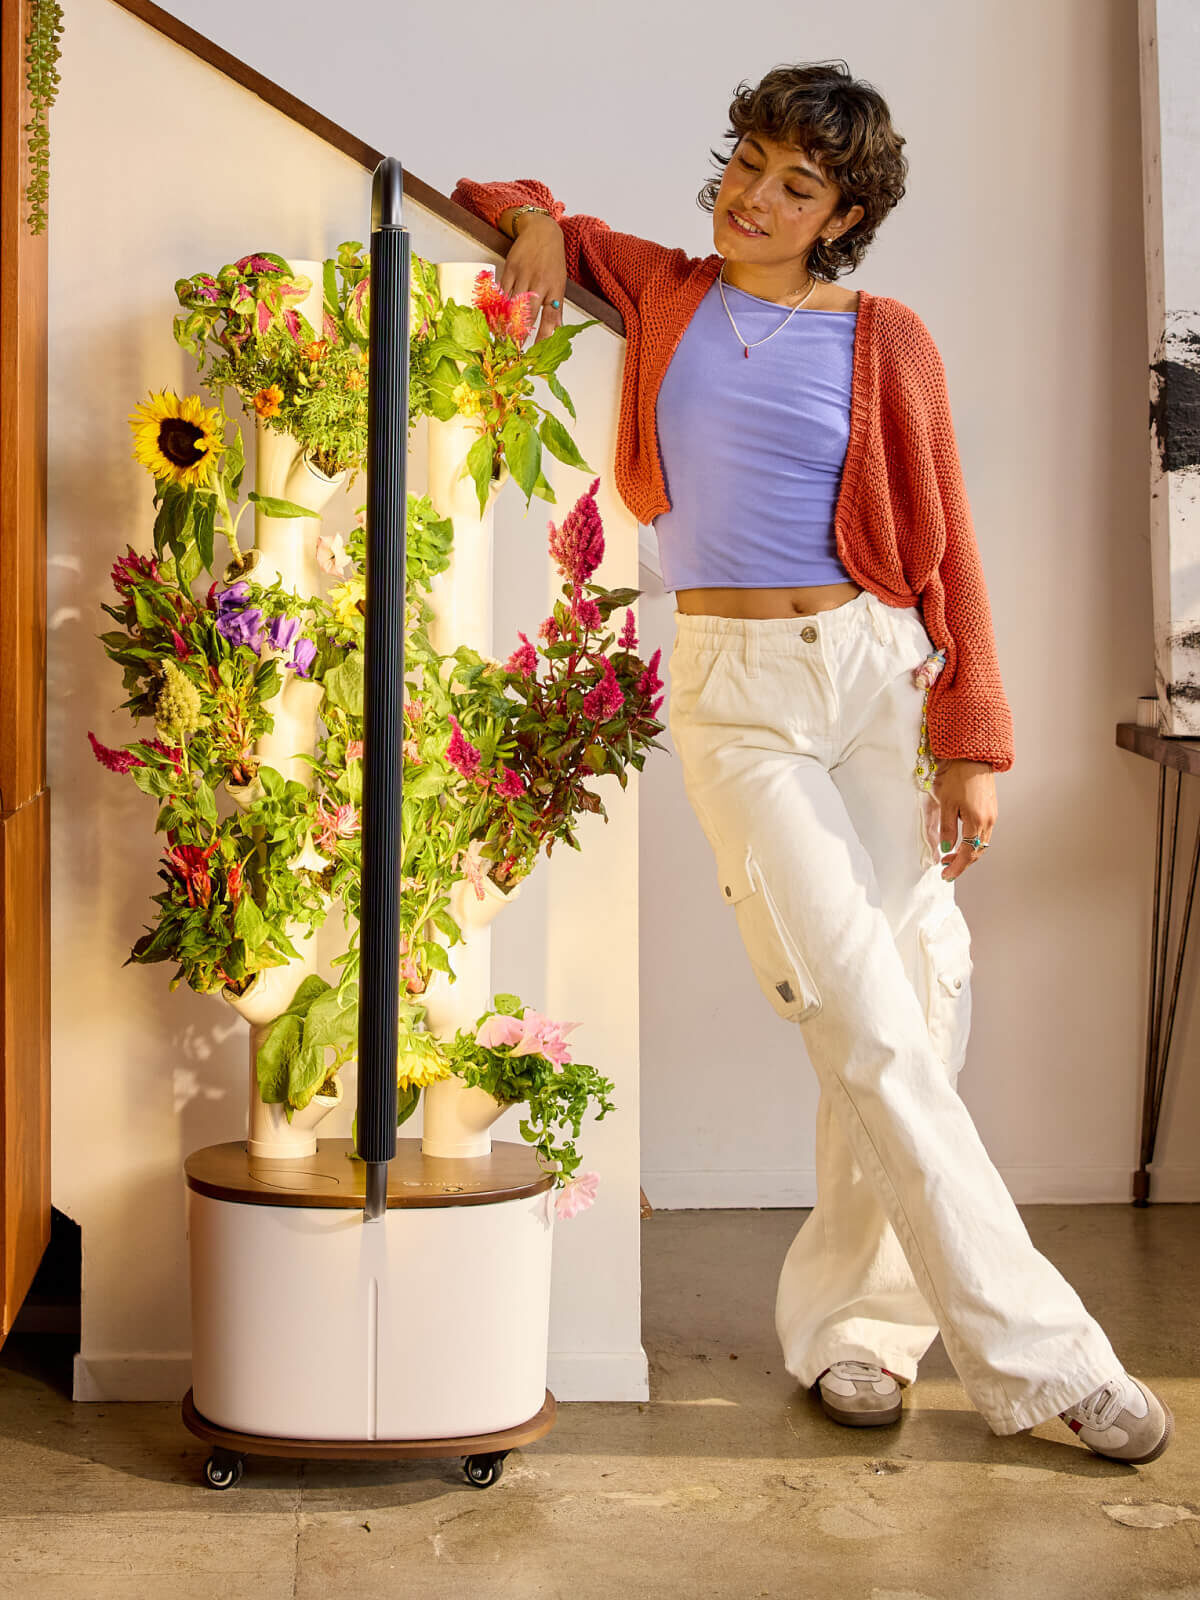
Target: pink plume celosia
{"points": [[607, 698], [461, 755], [578, 546], [628, 638], [587, 612], [524, 658]]}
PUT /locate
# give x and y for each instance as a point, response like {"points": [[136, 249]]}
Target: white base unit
{"points": [[310, 1323]]}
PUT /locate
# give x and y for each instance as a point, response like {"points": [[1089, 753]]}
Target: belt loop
{"points": [[751, 647], [877, 622]]}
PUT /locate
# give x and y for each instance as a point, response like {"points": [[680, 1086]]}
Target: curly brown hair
{"points": [[845, 125]]}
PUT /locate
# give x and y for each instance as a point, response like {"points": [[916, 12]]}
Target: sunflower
{"points": [[176, 438]]}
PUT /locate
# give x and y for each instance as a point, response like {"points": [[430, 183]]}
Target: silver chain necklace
{"points": [[774, 331]]}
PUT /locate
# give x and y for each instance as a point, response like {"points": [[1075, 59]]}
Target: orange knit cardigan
{"points": [[902, 521]]}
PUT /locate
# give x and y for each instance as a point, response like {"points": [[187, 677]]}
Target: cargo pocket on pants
{"points": [[781, 970], [946, 955]]}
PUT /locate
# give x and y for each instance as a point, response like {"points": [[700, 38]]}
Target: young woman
{"points": [[837, 708]]}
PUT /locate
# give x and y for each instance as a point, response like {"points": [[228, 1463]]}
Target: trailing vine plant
{"points": [[41, 80]]}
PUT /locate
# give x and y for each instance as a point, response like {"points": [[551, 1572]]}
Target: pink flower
{"points": [[182, 648], [354, 750], [510, 785], [588, 613], [578, 546], [472, 871], [576, 1195], [127, 569], [412, 752], [461, 755], [549, 630], [338, 822], [524, 658], [332, 555], [410, 971], [532, 1034], [628, 639], [650, 682], [499, 1029], [607, 698], [114, 760]]}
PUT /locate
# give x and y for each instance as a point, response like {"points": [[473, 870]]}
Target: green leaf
{"points": [[560, 443], [206, 804], [344, 684], [406, 1102], [273, 506], [523, 452], [333, 1018], [275, 1056], [467, 326], [480, 461], [248, 922], [560, 394]]}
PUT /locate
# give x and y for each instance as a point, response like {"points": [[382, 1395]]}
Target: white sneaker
{"points": [[1123, 1419], [859, 1394]]}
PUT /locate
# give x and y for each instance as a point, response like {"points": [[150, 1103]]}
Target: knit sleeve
{"points": [[616, 266], [968, 713]]}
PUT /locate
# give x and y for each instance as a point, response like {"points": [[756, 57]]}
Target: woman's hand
{"points": [[537, 261], [965, 789]]}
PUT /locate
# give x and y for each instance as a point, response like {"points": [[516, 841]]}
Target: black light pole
{"points": [[383, 691]]}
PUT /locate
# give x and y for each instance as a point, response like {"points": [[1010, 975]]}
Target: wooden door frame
{"points": [[24, 797]]}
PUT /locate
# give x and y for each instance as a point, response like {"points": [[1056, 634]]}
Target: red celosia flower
{"points": [[114, 760], [650, 682], [461, 755], [578, 546], [511, 784], [524, 658], [588, 614], [182, 648], [234, 882], [505, 316], [549, 630], [189, 863], [606, 699], [127, 568], [628, 639]]}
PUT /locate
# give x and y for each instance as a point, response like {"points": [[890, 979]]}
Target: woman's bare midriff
{"points": [[765, 602]]}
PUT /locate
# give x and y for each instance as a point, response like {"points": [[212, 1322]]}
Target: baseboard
{"points": [[598, 1375], [797, 1187], [145, 1377]]}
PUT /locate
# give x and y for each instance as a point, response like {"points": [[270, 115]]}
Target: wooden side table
{"points": [[1183, 755]]}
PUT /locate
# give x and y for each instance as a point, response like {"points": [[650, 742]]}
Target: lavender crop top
{"points": [[753, 448]]}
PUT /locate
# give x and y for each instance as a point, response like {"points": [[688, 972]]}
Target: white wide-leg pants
{"points": [[797, 738]]}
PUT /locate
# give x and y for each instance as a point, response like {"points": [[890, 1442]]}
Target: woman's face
{"points": [[781, 191]]}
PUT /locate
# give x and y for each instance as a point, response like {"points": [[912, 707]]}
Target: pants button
{"points": [[808, 634]]}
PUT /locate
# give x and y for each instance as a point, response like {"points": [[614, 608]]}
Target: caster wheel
{"points": [[222, 1471], [483, 1471]]}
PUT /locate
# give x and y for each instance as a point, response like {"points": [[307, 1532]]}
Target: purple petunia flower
{"points": [[282, 631], [303, 656], [243, 627]]}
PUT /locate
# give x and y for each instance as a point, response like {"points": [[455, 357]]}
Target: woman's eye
{"points": [[792, 192]]}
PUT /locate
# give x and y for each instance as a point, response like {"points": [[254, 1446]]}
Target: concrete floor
{"points": [[730, 1482]]}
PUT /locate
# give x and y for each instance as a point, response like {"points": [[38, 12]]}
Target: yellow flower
{"points": [[419, 1063], [344, 598], [176, 438], [467, 399]]}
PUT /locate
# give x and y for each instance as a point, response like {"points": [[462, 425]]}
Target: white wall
{"points": [[163, 167]]}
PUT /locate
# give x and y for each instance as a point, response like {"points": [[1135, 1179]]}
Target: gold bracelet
{"points": [[530, 207]]}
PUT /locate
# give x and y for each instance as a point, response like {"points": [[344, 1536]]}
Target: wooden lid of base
{"points": [[332, 1178]]}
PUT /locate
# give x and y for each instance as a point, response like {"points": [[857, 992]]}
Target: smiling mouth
{"points": [[735, 222]]}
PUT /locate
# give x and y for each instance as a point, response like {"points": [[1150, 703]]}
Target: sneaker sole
{"points": [[863, 1419]]}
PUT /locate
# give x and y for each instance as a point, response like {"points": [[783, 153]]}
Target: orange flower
{"points": [[268, 401], [315, 349], [355, 380]]}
